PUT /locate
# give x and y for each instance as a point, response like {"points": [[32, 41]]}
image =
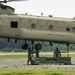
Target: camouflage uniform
{"points": [[29, 56], [57, 53]]}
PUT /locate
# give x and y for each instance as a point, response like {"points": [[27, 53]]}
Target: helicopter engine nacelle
{"points": [[25, 46], [38, 46]]}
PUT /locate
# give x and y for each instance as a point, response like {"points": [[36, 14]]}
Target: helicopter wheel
{"points": [[25, 46], [38, 46]]}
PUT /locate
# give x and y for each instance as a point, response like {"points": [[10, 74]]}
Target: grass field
{"points": [[13, 56], [32, 71], [23, 56], [37, 71]]}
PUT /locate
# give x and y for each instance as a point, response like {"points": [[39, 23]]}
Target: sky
{"points": [[57, 8]]}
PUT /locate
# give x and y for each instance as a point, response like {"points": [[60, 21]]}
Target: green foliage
{"points": [[16, 47]]}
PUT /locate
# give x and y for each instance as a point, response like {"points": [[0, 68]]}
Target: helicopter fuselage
{"points": [[39, 28]]}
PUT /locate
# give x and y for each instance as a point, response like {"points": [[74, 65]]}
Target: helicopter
{"points": [[35, 28]]}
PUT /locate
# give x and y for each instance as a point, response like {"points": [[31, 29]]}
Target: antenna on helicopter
{"points": [[5, 1]]}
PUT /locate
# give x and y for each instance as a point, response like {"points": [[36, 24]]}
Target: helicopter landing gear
{"points": [[31, 51], [25, 46], [38, 46], [50, 43], [67, 49]]}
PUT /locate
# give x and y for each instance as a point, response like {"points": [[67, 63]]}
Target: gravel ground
{"points": [[22, 64]]}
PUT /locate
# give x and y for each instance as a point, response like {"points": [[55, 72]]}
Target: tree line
{"points": [[6, 46]]}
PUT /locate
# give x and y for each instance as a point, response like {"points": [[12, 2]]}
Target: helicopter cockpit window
{"points": [[14, 24], [4, 7], [68, 28]]}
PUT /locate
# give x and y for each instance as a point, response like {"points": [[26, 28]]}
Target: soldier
{"points": [[29, 56], [57, 53], [37, 54]]}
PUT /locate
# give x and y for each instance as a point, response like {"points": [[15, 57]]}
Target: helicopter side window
{"points": [[50, 27], [33, 25], [14, 24], [68, 28]]}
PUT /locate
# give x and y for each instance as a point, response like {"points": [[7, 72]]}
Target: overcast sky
{"points": [[57, 8]]}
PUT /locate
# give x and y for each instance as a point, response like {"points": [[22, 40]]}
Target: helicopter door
{"points": [[14, 28]]}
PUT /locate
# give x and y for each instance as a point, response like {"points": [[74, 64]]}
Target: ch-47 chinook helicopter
{"points": [[35, 28]]}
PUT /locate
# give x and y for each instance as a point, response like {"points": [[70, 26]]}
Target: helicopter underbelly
{"points": [[47, 35], [38, 35]]}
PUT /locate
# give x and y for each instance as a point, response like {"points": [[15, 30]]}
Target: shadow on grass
{"points": [[18, 74], [56, 74]]}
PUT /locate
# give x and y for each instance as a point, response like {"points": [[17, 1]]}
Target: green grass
{"points": [[22, 56], [72, 56], [33, 71], [13, 57]]}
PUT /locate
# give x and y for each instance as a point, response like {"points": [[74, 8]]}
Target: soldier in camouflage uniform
{"points": [[57, 53]]}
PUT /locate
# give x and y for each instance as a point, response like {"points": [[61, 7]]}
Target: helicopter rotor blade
{"points": [[15, 0], [5, 1]]}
